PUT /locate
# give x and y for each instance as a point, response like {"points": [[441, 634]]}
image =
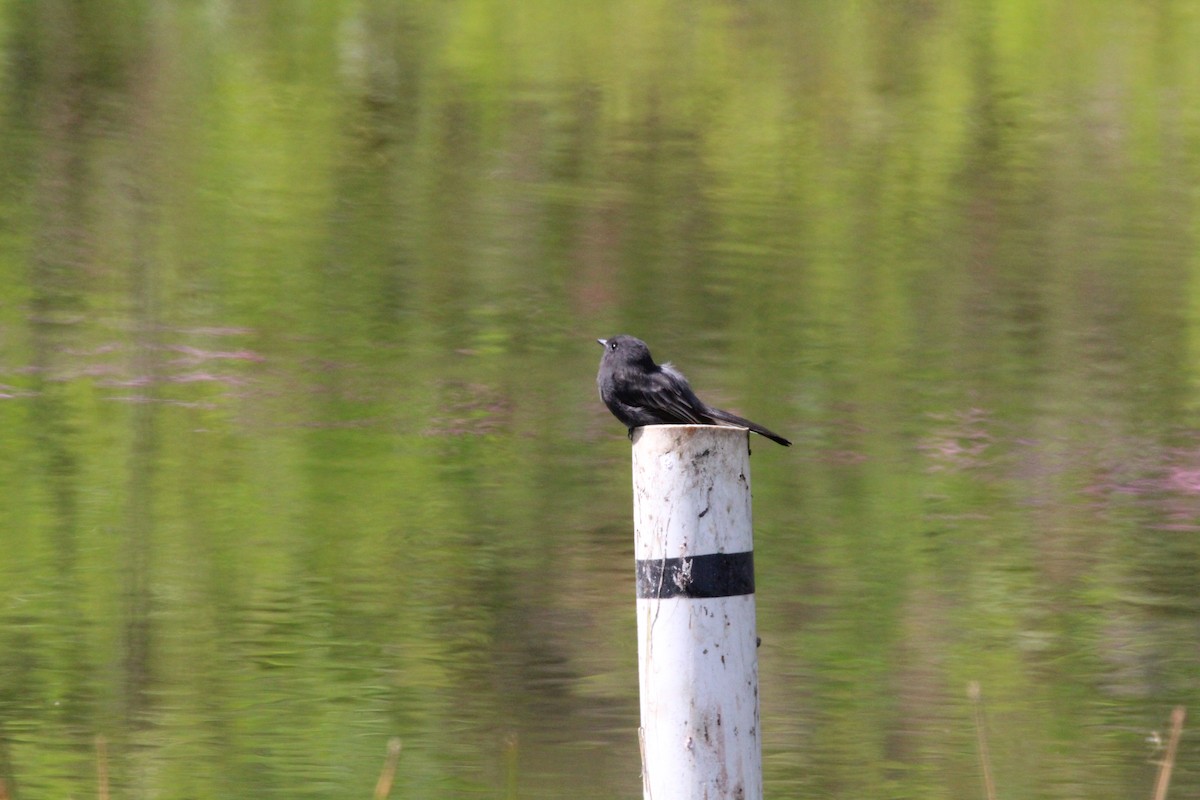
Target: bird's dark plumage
{"points": [[639, 392]]}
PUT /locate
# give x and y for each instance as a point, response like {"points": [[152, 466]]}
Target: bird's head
{"points": [[626, 350]]}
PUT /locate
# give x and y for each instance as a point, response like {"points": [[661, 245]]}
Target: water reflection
{"points": [[303, 446]]}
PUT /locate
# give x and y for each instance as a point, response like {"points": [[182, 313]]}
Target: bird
{"points": [[639, 392]]}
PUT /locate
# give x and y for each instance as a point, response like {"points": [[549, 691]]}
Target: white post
{"points": [[697, 657]]}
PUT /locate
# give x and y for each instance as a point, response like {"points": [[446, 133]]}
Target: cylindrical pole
{"points": [[697, 658]]}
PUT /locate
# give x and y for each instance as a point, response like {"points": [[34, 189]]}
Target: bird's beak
{"points": [[603, 342]]}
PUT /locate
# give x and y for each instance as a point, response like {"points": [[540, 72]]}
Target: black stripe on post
{"points": [[715, 575]]}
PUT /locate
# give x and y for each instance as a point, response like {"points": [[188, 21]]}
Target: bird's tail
{"points": [[733, 419]]}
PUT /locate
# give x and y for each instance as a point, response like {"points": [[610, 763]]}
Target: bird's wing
{"points": [[666, 393]]}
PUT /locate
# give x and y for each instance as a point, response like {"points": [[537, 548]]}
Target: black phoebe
{"points": [[639, 392]]}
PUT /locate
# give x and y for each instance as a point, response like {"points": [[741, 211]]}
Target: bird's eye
{"points": [[612, 345]]}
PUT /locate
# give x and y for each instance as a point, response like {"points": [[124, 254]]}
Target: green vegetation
{"points": [[302, 452]]}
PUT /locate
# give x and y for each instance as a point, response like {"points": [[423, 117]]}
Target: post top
{"points": [[684, 432], [691, 490]]}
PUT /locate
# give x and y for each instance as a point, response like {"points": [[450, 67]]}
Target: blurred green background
{"points": [[301, 445]]}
